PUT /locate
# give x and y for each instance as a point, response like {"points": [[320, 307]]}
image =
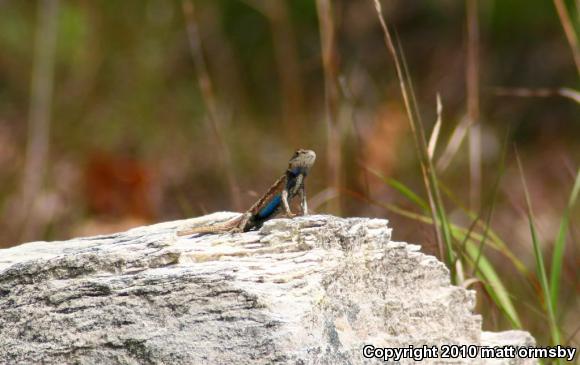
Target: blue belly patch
{"points": [[271, 207]]}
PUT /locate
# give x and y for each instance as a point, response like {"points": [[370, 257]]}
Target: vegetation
{"points": [[458, 121]]}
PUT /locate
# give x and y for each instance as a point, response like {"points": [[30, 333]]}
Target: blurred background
{"points": [[118, 114]]}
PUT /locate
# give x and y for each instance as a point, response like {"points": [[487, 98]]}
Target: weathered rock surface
{"points": [[308, 290]]}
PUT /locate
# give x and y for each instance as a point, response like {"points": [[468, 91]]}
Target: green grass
{"points": [[465, 248], [437, 209], [540, 267], [560, 244], [468, 247]]}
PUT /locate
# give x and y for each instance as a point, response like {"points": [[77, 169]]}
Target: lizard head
{"points": [[301, 161]]}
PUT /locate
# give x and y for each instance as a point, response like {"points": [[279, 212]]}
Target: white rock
{"points": [[308, 290]]}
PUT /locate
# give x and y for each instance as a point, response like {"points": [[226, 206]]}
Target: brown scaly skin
{"points": [[275, 200]]}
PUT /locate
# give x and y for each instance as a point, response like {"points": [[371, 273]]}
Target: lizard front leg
{"points": [[303, 204], [286, 205]]}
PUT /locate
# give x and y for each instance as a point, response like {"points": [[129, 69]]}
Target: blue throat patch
{"points": [[296, 171]]}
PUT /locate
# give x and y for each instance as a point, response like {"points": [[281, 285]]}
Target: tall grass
{"points": [[469, 247], [560, 245], [331, 98], [442, 230], [208, 95], [466, 247], [565, 92], [472, 83], [288, 66], [38, 141], [540, 267], [569, 30]]}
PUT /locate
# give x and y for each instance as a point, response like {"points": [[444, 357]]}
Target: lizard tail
{"points": [[213, 228]]}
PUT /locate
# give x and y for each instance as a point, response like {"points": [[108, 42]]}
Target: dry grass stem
{"points": [[206, 88], [472, 81], [436, 129], [569, 30], [39, 115], [288, 66], [331, 93], [453, 145], [420, 144], [539, 93]]}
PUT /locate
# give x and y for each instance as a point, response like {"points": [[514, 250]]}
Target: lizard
{"points": [[275, 200]]}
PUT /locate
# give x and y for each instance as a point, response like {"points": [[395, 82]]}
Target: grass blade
{"points": [[209, 99], [436, 129], [522, 92], [560, 243], [441, 225], [569, 31], [493, 284], [493, 198], [460, 234], [327, 30], [402, 189], [540, 268], [496, 242], [570, 93]]}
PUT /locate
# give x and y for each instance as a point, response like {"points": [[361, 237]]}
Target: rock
{"points": [[307, 290]]}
